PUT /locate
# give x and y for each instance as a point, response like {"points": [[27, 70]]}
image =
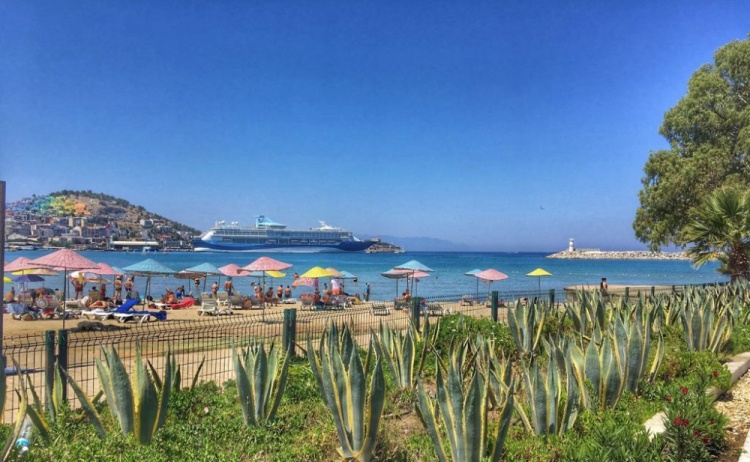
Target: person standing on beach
{"points": [[288, 293], [280, 292], [215, 289], [118, 288], [128, 287], [228, 286], [367, 291], [603, 286], [197, 289]]}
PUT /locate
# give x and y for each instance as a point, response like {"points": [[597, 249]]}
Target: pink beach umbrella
{"points": [[266, 264], [233, 270], [491, 275], [21, 263], [64, 260]]}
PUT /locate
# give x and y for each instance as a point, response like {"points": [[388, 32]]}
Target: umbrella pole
{"points": [[65, 292]]}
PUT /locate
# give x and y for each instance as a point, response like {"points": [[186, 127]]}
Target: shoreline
{"points": [[618, 255]]}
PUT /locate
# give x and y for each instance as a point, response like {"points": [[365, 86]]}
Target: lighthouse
{"points": [[571, 247]]}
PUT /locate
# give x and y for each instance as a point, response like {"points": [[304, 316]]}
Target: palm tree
{"points": [[721, 231]]}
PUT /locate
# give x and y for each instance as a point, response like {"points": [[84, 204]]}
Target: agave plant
{"points": [[138, 408], [617, 363], [462, 409], [261, 379], [21, 415], [553, 402], [707, 323], [399, 351], [56, 404], [342, 380], [526, 323], [176, 374]]}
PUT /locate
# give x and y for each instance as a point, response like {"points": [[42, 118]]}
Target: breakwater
{"points": [[618, 255]]}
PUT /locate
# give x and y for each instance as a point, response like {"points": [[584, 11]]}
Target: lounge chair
{"points": [[102, 314], [467, 300], [235, 302], [21, 311], [222, 298], [380, 309], [307, 303], [141, 316], [435, 309], [211, 307]]}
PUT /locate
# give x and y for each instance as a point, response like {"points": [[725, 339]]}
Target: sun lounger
{"points": [[380, 309], [21, 311], [307, 303], [434, 309], [102, 314], [467, 300], [289, 301], [211, 307], [141, 316]]}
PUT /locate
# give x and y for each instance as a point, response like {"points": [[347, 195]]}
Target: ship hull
{"points": [[200, 245]]}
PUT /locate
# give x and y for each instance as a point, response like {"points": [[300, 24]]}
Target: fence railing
{"points": [[210, 341]]}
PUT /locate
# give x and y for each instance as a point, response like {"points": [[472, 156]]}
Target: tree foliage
{"points": [[709, 137], [721, 230]]}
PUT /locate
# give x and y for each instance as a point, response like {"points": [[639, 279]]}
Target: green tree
{"points": [[721, 230], [709, 137]]}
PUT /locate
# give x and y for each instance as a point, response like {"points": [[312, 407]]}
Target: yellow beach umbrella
{"points": [[7, 280], [37, 271], [316, 272], [539, 272]]}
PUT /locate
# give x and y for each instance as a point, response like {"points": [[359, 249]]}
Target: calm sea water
{"points": [[447, 278]]}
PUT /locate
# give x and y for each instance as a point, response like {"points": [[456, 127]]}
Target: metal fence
{"points": [[210, 341]]}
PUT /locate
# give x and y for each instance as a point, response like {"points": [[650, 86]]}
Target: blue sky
{"points": [[498, 124]]}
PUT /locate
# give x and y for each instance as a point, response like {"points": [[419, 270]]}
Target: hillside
{"points": [[100, 210]]}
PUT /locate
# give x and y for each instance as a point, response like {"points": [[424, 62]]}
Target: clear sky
{"points": [[503, 125]]}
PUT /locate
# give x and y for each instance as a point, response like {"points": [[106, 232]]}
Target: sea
{"points": [[447, 278]]}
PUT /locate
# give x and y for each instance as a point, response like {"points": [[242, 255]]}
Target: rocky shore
{"points": [[618, 255]]}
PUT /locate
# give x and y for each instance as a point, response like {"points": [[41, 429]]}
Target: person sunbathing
{"points": [[169, 297], [89, 303]]}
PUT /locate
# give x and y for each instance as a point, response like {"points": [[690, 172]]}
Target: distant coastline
{"points": [[618, 255]]}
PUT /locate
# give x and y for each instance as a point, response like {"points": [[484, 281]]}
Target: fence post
{"points": [[552, 298], [494, 306], [627, 294], [62, 358], [415, 314], [653, 291], [49, 366], [289, 333]]}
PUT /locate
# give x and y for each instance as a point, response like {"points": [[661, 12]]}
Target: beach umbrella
{"points": [[21, 263], [308, 282], [232, 270], [315, 273], [539, 273], [472, 273], [37, 271], [266, 264], [106, 270], [334, 272], [7, 280], [413, 266], [86, 276], [204, 270], [491, 275], [63, 260], [149, 268], [28, 278], [398, 274]]}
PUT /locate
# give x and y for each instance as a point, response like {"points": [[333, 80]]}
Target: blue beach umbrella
{"points": [[204, 270], [149, 268], [28, 278], [413, 266], [472, 273]]}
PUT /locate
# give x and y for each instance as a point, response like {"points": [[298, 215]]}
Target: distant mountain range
{"points": [[425, 244]]}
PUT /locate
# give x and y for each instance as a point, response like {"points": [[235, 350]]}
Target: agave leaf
{"points": [[357, 401], [166, 391], [88, 407], [428, 416], [244, 390], [13, 436], [145, 401], [196, 376]]}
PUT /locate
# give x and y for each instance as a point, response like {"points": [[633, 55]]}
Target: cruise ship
{"points": [[269, 236]]}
